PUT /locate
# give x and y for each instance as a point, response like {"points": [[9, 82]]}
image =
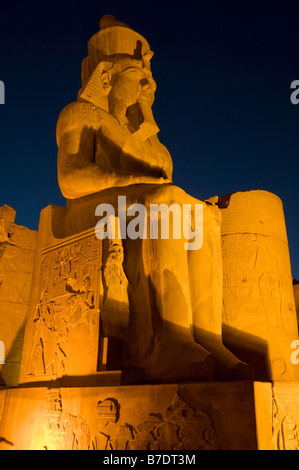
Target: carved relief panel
{"points": [[108, 426], [64, 323], [285, 416]]}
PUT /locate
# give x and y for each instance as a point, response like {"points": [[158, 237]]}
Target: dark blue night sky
{"points": [[223, 70]]}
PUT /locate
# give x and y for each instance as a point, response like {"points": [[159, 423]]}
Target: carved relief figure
{"points": [[64, 430], [183, 426], [284, 419], [68, 282]]}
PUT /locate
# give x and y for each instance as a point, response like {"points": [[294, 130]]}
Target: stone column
{"points": [[259, 315]]}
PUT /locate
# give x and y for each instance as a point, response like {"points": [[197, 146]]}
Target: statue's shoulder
{"points": [[77, 115], [82, 110]]}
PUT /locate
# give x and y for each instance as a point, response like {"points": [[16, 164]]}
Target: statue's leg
{"points": [[141, 328], [161, 313], [205, 280], [176, 355]]}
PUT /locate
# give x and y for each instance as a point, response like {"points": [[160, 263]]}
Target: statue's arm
{"points": [[78, 174], [165, 159]]}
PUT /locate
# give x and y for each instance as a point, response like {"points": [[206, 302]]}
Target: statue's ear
{"points": [[106, 82], [106, 69], [98, 85]]}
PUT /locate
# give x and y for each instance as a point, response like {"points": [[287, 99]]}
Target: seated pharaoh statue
{"points": [[162, 300]]}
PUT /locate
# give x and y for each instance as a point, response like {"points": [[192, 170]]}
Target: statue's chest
{"points": [[116, 142]]}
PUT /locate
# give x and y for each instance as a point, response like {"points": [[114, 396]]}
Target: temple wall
{"points": [[17, 253], [62, 328], [192, 416]]}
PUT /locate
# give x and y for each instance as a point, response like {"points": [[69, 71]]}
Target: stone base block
{"points": [[190, 416]]}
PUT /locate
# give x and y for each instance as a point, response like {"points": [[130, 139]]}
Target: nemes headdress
{"points": [[110, 50], [116, 40]]}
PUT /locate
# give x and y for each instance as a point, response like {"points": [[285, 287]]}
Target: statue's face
{"points": [[132, 85]]}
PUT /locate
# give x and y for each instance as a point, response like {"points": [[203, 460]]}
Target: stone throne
{"points": [[140, 330]]}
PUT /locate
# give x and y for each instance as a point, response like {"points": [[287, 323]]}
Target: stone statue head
{"points": [[116, 75]]}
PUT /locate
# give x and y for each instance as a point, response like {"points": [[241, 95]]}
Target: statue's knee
{"points": [[212, 215], [167, 194]]}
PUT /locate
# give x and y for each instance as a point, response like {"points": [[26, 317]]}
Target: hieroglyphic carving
{"points": [[69, 280], [64, 430], [259, 318], [181, 427], [285, 418], [184, 425], [249, 283], [54, 402], [109, 435]]}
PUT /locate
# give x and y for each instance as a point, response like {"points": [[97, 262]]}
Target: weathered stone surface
{"points": [[259, 316], [296, 296], [108, 147], [62, 329], [227, 416], [285, 416], [17, 252], [7, 217], [144, 309]]}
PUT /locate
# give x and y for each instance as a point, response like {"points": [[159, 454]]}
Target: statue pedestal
{"points": [[186, 416], [73, 395]]}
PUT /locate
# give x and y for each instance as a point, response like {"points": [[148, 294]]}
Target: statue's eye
{"points": [[133, 72], [144, 82]]}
